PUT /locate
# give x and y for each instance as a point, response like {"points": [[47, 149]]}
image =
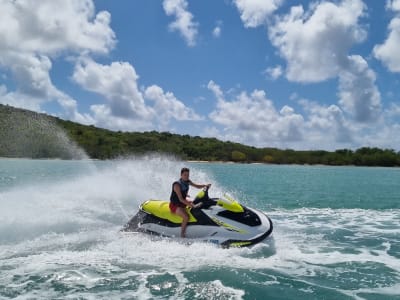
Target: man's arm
{"points": [[199, 186]]}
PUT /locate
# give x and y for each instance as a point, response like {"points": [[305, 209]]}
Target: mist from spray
{"points": [[32, 135]]}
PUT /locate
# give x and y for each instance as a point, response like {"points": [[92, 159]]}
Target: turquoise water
{"points": [[336, 232]]}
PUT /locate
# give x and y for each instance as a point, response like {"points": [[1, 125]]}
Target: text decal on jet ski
{"points": [[227, 226]]}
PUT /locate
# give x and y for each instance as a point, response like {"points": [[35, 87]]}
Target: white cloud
{"points": [[393, 5], [34, 87], [358, 93], [386, 133], [71, 112], [393, 110], [315, 44], [18, 100], [253, 119], [127, 107], [274, 72], [184, 23], [217, 30], [255, 12], [117, 82], [216, 89], [168, 107], [383, 135], [388, 52], [326, 126], [386, 137], [103, 117], [31, 74], [50, 26], [32, 33]]}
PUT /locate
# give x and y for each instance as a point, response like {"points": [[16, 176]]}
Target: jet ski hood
{"points": [[223, 221]]}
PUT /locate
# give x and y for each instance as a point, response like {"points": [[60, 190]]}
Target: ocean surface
{"points": [[336, 232]]}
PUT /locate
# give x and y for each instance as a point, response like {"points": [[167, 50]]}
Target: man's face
{"points": [[185, 176]]}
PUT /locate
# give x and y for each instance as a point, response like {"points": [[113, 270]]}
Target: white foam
{"points": [[70, 229], [307, 246]]}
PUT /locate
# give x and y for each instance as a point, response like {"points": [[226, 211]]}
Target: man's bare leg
{"points": [[181, 211]]}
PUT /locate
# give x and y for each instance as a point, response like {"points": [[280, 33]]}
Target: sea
{"points": [[336, 232]]}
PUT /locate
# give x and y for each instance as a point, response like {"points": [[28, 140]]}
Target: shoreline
{"points": [[201, 162]]}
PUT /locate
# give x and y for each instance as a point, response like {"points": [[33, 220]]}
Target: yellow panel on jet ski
{"points": [[230, 204], [161, 209]]}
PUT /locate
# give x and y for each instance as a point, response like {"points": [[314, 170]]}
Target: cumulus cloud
{"points": [[315, 44], [388, 52], [274, 72], [31, 74], [34, 87], [103, 117], [33, 33], [385, 137], [357, 91], [183, 23], [48, 27], [167, 106], [252, 118], [393, 111], [127, 106], [216, 89], [327, 125], [393, 5], [117, 82], [256, 12]]}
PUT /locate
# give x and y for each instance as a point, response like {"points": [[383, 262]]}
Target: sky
{"points": [[301, 75]]}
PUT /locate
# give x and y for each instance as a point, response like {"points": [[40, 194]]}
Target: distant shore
{"points": [[25, 133]]}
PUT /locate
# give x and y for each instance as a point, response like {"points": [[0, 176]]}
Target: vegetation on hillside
{"points": [[28, 134]]}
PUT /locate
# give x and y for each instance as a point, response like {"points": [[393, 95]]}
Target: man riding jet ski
{"points": [[222, 221]]}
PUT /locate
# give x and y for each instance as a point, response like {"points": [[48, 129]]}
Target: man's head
{"points": [[185, 173]]}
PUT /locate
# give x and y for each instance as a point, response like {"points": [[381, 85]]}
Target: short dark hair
{"points": [[183, 170]]}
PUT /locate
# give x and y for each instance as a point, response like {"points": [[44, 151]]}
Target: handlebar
{"points": [[207, 187]]}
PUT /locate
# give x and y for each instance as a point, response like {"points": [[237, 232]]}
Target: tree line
{"points": [[24, 133]]}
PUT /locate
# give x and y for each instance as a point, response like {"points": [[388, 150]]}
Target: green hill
{"points": [[24, 133]]}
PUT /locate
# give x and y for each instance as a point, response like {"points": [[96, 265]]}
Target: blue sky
{"points": [[268, 73]]}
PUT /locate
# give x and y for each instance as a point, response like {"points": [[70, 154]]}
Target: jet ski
{"points": [[222, 221]]}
